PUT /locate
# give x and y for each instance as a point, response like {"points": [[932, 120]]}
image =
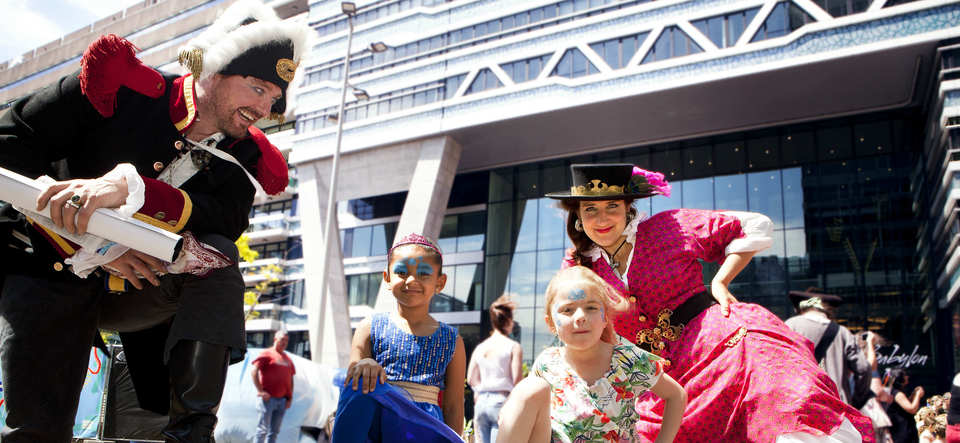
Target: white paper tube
{"points": [[22, 193]]}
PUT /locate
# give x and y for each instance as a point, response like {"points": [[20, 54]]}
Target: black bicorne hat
{"points": [[249, 40], [612, 181]]}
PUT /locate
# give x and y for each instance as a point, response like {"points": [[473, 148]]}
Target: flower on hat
{"points": [[653, 181]]}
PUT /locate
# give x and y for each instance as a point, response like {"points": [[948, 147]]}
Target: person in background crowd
{"points": [[953, 412], [903, 427], [494, 369], [272, 375], [875, 407], [835, 347], [932, 419]]}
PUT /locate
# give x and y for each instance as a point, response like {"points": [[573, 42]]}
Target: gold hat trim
{"points": [[286, 68], [596, 187], [192, 59]]}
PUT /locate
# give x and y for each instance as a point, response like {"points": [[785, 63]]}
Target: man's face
{"points": [[280, 341], [239, 102]]}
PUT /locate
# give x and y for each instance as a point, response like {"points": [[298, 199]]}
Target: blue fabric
{"points": [[407, 357], [271, 416], [386, 414]]}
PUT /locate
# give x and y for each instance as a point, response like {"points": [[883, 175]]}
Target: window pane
{"points": [[527, 229], [361, 241], [552, 225], [499, 232], [380, 243], [698, 194], [793, 198], [764, 195], [471, 232], [448, 234], [523, 278], [731, 192]]}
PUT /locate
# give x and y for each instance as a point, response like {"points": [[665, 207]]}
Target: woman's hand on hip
{"points": [[723, 296]]}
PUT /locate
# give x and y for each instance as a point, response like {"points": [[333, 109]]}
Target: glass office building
{"points": [[838, 192], [836, 119]]}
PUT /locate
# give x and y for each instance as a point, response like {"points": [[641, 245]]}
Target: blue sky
{"points": [[27, 24]]}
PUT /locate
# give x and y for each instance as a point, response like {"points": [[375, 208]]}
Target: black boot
{"points": [[198, 372]]}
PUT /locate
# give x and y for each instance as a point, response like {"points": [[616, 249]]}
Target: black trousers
{"points": [[47, 329]]}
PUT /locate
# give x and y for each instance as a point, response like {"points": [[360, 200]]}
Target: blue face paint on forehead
{"points": [[577, 294]]}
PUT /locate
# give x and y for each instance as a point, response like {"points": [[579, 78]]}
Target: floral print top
{"points": [[604, 411]]}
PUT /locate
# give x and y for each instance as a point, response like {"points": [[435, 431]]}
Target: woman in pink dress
{"points": [[748, 377]]}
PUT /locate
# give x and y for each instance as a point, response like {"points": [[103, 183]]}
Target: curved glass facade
{"points": [[838, 191]]}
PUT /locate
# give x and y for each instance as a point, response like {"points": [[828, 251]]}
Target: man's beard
{"points": [[226, 117]]}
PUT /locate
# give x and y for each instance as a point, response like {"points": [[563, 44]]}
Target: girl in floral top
{"points": [[588, 387]]}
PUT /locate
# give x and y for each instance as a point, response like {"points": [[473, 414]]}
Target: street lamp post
{"points": [[349, 9]]}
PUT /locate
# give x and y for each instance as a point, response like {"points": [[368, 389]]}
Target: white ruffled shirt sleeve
{"points": [[135, 187], [757, 229]]}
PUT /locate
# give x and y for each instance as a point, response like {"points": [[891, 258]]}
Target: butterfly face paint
{"points": [[424, 268], [577, 294], [399, 267]]}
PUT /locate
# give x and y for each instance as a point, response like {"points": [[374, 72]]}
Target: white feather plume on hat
{"points": [[228, 36]]}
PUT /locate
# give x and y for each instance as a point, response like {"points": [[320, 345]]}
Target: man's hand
{"points": [[132, 262], [264, 395], [101, 192], [289, 401]]}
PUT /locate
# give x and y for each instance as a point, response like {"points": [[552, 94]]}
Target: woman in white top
{"points": [[495, 367]]}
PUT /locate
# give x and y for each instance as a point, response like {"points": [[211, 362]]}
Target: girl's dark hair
{"points": [[581, 242], [501, 313]]}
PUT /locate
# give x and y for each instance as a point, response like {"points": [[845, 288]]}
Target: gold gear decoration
{"points": [[286, 68], [596, 187]]}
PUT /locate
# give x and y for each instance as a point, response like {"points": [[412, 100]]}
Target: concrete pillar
{"points": [[427, 198], [330, 336]]}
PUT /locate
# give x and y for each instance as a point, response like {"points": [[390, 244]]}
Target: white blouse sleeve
{"points": [[757, 229]]}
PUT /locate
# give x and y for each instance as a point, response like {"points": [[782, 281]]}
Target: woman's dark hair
{"points": [[501, 313], [897, 376], [581, 242]]}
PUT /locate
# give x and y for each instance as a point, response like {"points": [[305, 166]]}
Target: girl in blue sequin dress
{"points": [[400, 362]]}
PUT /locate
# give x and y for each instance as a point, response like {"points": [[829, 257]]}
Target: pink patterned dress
{"points": [[748, 377]]}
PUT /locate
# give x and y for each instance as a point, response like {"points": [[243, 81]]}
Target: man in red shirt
{"points": [[273, 377]]}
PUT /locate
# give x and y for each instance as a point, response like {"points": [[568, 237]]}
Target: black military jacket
{"points": [[57, 132]]}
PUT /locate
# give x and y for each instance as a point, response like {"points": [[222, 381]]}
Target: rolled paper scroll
{"points": [[22, 193]]}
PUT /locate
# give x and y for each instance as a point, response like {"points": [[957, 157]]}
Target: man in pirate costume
{"points": [[179, 152]]}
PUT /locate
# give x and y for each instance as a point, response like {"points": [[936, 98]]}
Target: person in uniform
{"points": [[176, 151]]}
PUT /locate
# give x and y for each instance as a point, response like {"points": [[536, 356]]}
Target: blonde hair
{"points": [[613, 302]]}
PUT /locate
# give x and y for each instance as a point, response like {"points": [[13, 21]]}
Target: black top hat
{"points": [[798, 296], [611, 181]]}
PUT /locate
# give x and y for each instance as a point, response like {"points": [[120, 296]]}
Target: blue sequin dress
{"points": [[388, 413], [410, 358]]}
